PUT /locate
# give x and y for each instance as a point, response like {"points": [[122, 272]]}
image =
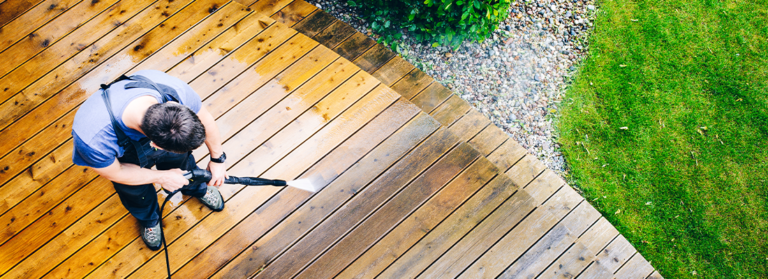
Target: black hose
{"points": [[162, 234]]}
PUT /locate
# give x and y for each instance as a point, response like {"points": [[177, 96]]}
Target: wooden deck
{"points": [[415, 182]]}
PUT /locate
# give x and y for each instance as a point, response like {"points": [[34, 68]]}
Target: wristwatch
{"points": [[220, 159]]}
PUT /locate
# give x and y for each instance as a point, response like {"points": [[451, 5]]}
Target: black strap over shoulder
{"points": [[168, 93]]}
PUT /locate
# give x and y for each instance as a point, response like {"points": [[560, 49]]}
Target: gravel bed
{"points": [[518, 77]]}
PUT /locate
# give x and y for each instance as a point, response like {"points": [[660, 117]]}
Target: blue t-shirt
{"points": [[95, 139]]}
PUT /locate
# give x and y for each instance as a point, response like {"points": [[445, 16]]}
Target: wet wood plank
{"points": [[441, 238], [595, 271], [335, 34], [451, 110], [74, 68], [355, 46], [80, 44], [537, 257], [283, 203], [10, 10], [524, 234], [636, 267], [420, 222], [473, 244], [655, 275], [344, 183], [393, 71], [276, 37], [366, 200], [314, 23], [294, 12], [392, 212], [17, 49], [33, 19], [256, 132], [469, 125], [432, 97], [188, 59], [509, 153], [374, 58], [489, 139], [412, 84]]}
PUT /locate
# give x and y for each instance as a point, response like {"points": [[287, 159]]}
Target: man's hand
{"points": [[218, 173], [172, 179]]}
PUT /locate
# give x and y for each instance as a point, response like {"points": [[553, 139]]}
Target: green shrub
{"points": [[446, 22]]}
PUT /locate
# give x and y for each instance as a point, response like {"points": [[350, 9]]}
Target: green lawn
{"points": [[665, 129]]}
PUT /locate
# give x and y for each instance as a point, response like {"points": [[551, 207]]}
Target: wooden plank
{"points": [[655, 275], [258, 131], [36, 17], [473, 244], [81, 43], [381, 221], [451, 110], [36, 176], [245, 34], [335, 34], [543, 186], [73, 238], [270, 79], [283, 203], [595, 271], [412, 84], [525, 169], [15, 52], [509, 153], [10, 10], [60, 131], [636, 267], [469, 125], [583, 252], [262, 45], [489, 139], [244, 202], [267, 7], [374, 58], [75, 93], [393, 71], [551, 245], [314, 23], [615, 254], [344, 183], [354, 46], [450, 231], [192, 59], [433, 96], [420, 222], [32, 151], [494, 261], [364, 201], [34, 206], [294, 12]]}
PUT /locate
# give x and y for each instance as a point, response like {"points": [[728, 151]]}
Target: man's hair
{"points": [[173, 127]]}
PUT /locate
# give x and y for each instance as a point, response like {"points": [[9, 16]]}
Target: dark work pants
{"points": [[141, 200]]}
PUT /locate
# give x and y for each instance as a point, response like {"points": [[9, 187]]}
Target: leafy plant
{"points": [[446, 22]]}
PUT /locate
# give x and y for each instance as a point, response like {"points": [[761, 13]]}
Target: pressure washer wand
{"points": [[200, 176]]}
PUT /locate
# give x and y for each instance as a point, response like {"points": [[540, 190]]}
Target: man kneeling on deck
{"points": [[148, 119]]}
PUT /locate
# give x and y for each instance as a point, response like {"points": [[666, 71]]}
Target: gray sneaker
{"points": [[213, 199], [151, 237]]}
